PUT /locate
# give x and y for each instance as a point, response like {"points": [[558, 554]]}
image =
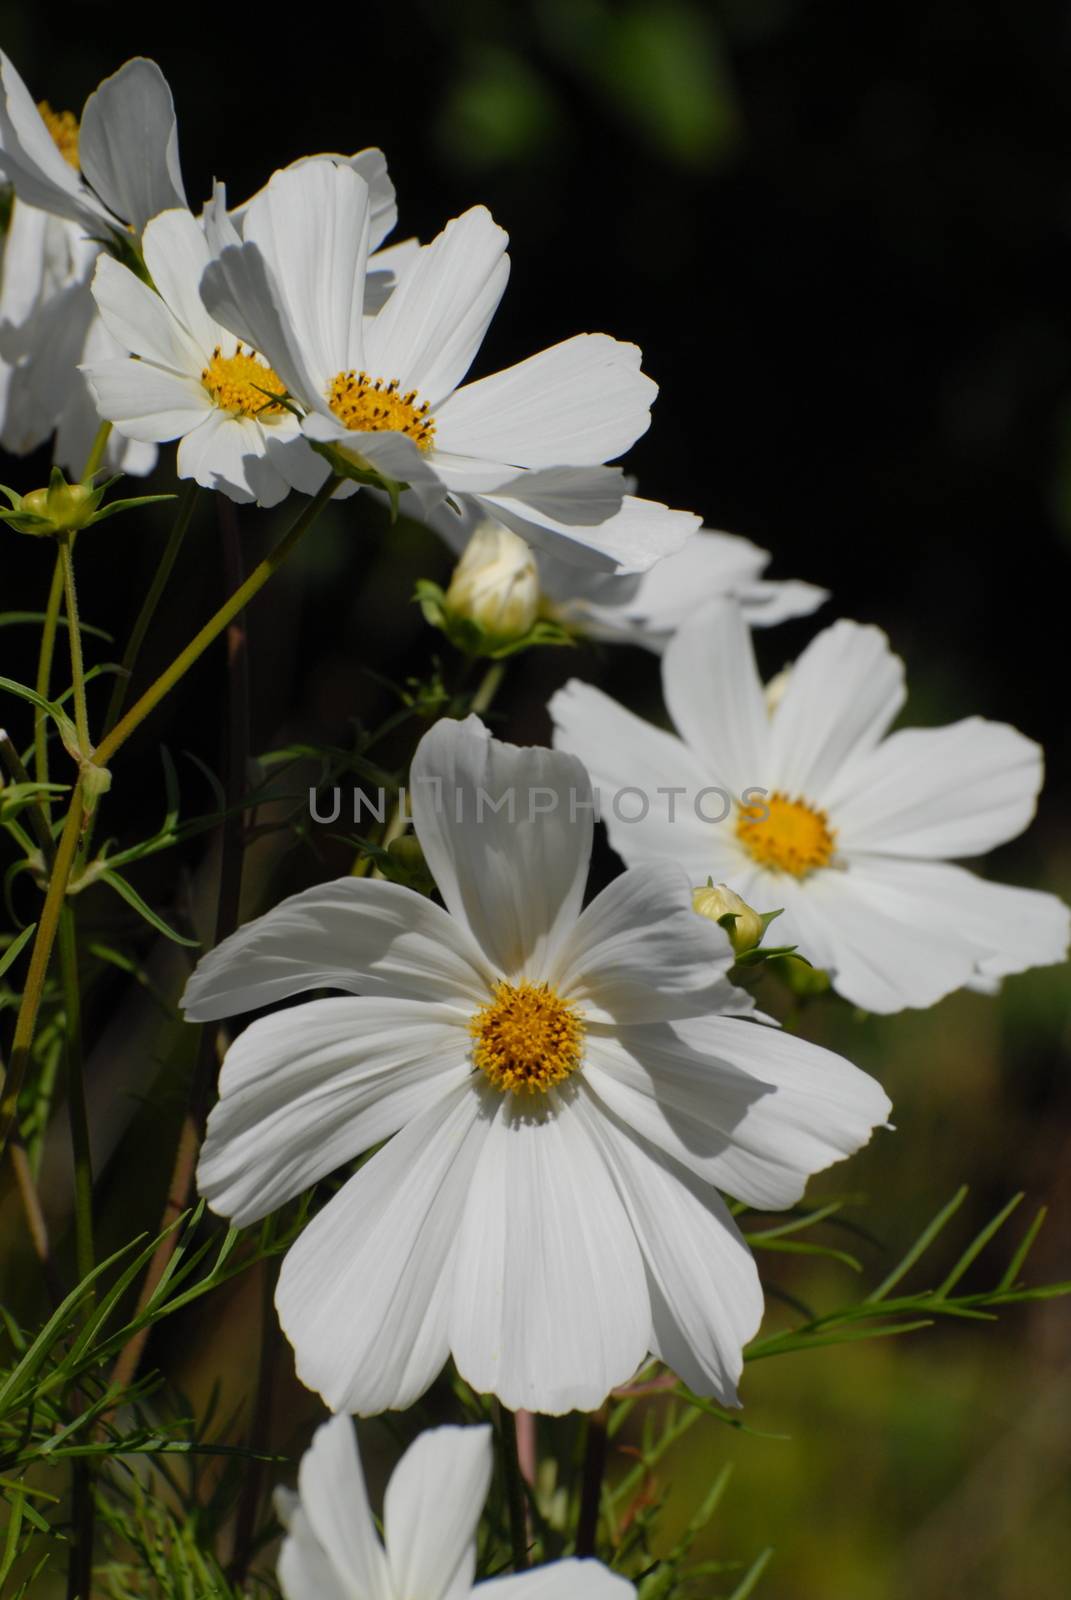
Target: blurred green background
{"points": [[842, 235]]}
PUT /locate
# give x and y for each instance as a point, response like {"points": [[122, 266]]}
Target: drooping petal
{"points": [[311, 224], [545, 508], [584, 401], [304, 1570], [433, 324], [31, 161], [128, 143], [145, 402], [639, 952], [840, 698], [655, 797], [432, 1511], [364, 1294], [954, 791], [334, 1504], [229, 454], [562, 1580], [712, 689], [507, 835], [364, 936], [308, 1089], [746, 1107], [550, 1308], [706, 1299], [240, 291]]}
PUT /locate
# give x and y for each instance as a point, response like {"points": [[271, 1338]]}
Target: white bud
{"points": [[496, 583], [717, 900]]}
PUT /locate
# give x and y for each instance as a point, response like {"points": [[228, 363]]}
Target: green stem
{"points": [[44, 672], [214, 627], [44, 939], [488, 687], [511, 1466], [81, 720], [591, 1488], [76, 1095], [183, 517], [96, 454]]}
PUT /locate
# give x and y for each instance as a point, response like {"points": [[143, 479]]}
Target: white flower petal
{"points": [[748, 1108], [308, 1089], [176, 254], [715, 698], [128, 143], [433, 324], [143, 323], [357, 934], [550, 1311], [389, 452], [882, 955], [432, 1511], [303, 1570], [653, 792], [639, 952], [1005, 929], [840, 698], [146, 402], [31, 161], [562, 1580], [706, 1300], [514, 875], [584, 401], [364, 1294], [580, 528], [240, 291], [334, 1500], [954, 791], [311, 225]]}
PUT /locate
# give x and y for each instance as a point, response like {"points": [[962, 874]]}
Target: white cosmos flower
{"points": [[859, 826], [109, 172], [527, 443], [647, 608], [430, 1517], [562, 1092], [190, 379]]}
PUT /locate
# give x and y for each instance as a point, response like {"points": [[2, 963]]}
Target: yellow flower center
{"points": [[786, 835], [527, 1039], [237, 383], [370, 405], [63, 126]]}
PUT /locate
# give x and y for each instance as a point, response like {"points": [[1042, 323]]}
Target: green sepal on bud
{"points": [[744, 925], [493, 605], [472, 639], [65, 508]]}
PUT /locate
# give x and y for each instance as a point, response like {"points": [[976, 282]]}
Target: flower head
{"points": [[430, 1516], [562, 1092], [850, 829], [386, 393]]}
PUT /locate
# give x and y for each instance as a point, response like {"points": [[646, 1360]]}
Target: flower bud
{"points": [[717, 900], [66, 507], [495, 584]]}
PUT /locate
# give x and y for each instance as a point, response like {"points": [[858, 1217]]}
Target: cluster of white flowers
{"points": [[556, 1095]]}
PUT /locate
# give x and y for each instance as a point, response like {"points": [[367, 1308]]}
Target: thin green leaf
{"points": [[977, 1245], [752, 1575], [920, 1246], [116, 881], [15, 948]]}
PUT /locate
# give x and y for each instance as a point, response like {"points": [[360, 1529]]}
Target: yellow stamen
{"points": [[236, 383], [786, 835], [528, 1039], [371, 405], [63, 126]]}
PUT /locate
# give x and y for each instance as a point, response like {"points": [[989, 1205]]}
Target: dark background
{"points": [[840, 233]]}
